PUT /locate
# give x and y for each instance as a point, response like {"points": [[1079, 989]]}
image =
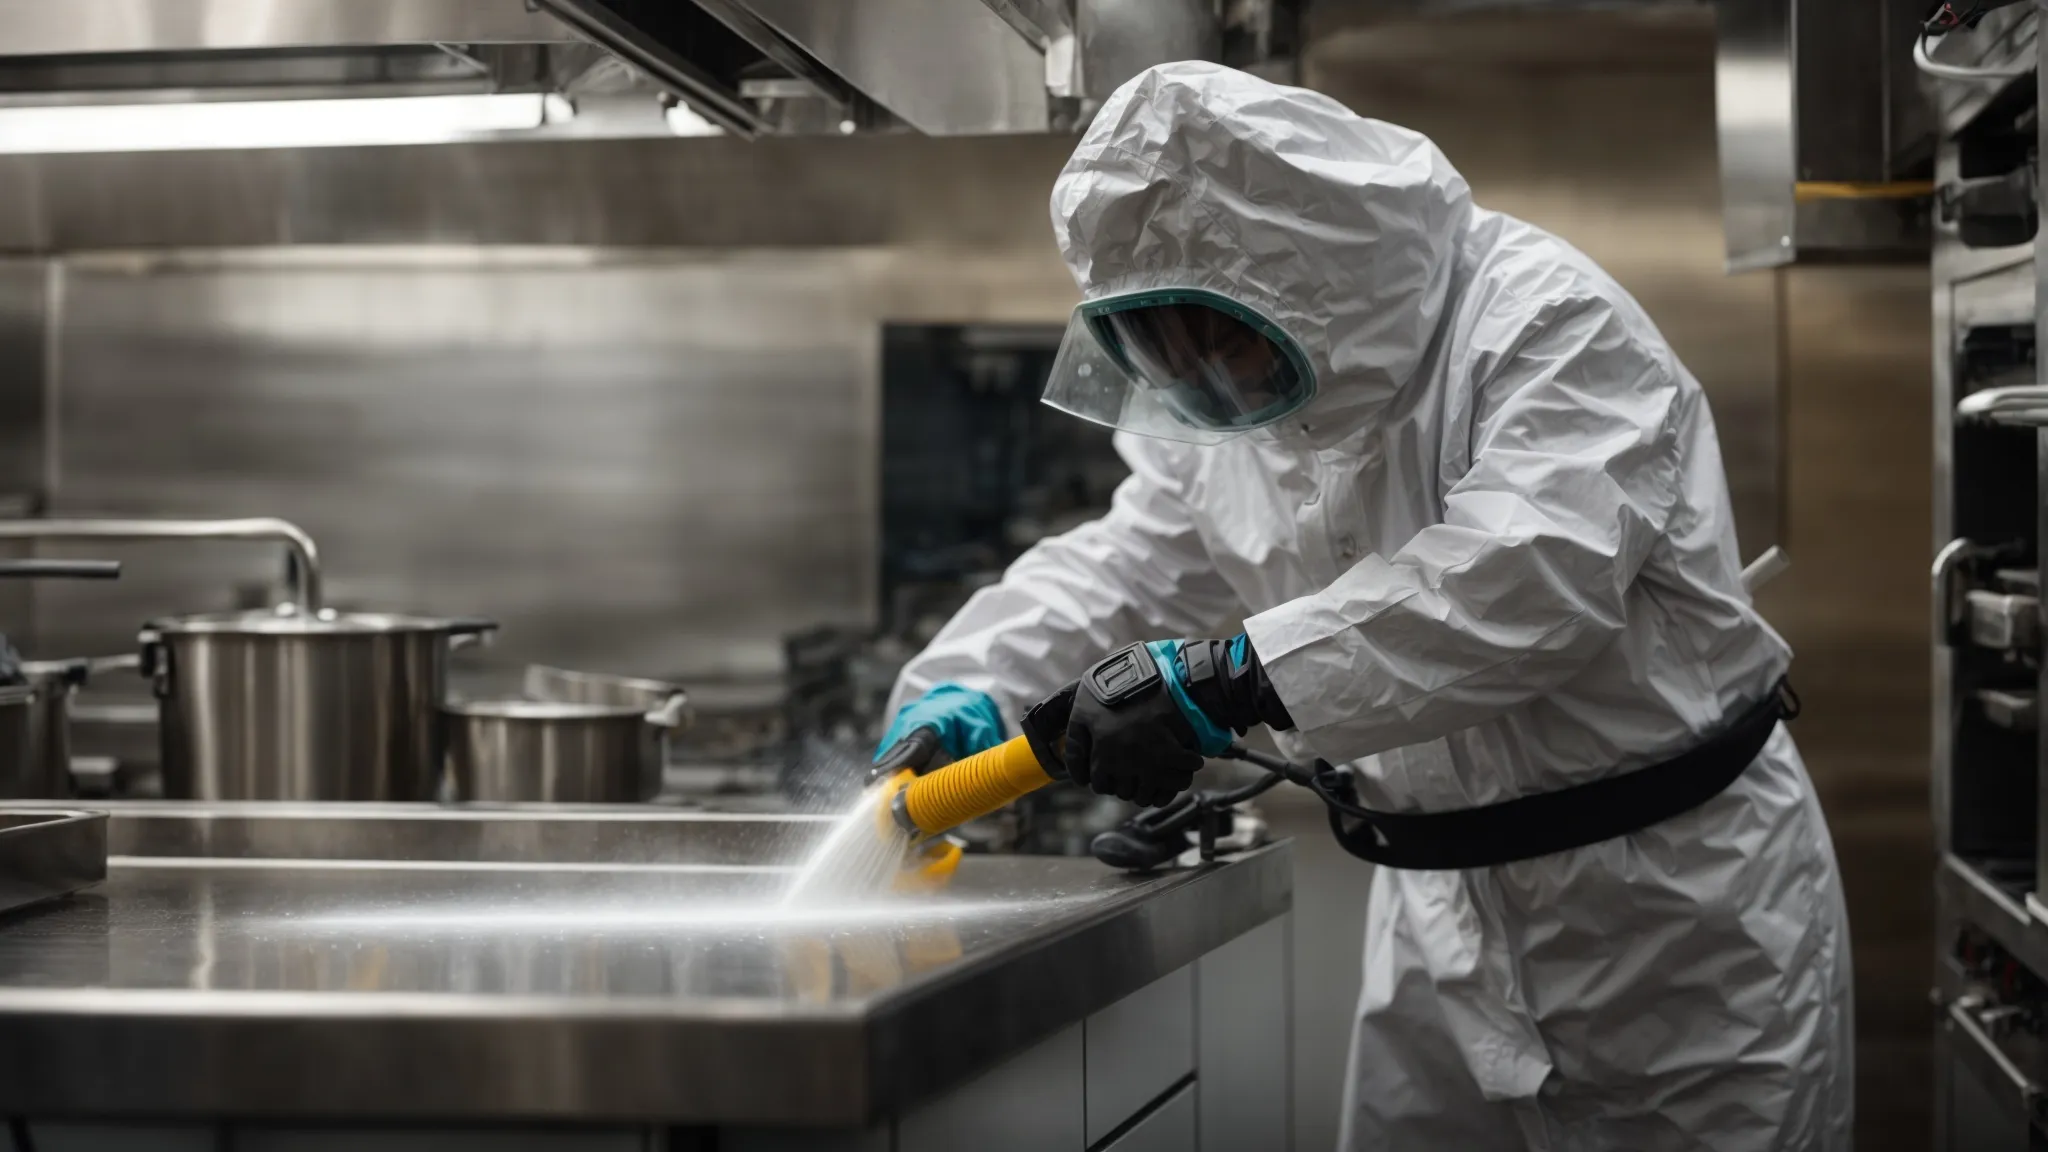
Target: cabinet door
{"points": [[1138, 1049], [1244, 1028], [1032, 1102], [1170, 1128]]}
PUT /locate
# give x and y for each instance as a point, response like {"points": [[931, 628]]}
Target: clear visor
{"points": [[1179, 365]]}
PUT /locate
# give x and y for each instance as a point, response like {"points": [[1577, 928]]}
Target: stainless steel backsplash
{"points": [[654, 463]]}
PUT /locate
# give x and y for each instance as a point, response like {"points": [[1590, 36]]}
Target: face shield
{"points": [[1180, 364]]}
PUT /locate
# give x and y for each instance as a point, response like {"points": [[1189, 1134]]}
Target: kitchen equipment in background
{"points": [[45, 767], [563, 686], [33, 714], [303, 566], [289, 706], [20, 775], [580, 738]]}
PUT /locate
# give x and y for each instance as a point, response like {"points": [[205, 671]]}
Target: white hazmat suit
{"points": [[1493, 556]]}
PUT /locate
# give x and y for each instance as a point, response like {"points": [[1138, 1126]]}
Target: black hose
{"points": [[62, 569], [1319, 780], [1151, 838], [1259, 787]]}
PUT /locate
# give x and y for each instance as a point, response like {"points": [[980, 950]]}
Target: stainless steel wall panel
{"points": [[648, 466], [783, 193], [24, 306]]}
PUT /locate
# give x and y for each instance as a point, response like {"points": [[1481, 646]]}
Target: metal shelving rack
{"points": [[1988, 754]]}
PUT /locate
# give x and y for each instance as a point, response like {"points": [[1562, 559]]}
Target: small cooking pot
{"points": [[21, 778], [280, 705], [604, 746], [46, 770], [35, 712]]}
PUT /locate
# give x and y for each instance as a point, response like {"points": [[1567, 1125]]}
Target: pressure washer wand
{"points": [[967, 789]]}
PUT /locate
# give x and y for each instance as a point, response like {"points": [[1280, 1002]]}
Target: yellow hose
{"points": [[945, 798]]}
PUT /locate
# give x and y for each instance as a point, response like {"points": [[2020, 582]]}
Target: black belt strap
{"points": [[1548, 822]]}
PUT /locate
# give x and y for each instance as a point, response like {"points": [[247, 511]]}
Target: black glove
{"points": [[1128, 737], [1228, 684]]}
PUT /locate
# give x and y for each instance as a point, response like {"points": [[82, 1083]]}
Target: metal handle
{"points": [[2018, 405], [1961, 1013], [62, 569], [1952, 556], [469, 631], [125, 662], [1765, 568], [674, 712], [307, 592], [81, 669]]}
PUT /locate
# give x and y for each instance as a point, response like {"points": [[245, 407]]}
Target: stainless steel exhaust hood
{"points": [[749, 67]]}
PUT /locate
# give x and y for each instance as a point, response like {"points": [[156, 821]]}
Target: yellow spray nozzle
{"points": [[930, 867], [945, 798]]}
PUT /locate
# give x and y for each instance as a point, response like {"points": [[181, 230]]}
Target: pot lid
{"points": [[269, 622], [542, 710]]}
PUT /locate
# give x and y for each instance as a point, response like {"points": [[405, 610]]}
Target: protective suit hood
{"points": [[1343, 231]]}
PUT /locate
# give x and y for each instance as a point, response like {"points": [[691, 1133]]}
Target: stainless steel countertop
{"points": [[577, 989]]}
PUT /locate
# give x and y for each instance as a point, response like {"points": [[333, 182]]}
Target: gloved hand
{"points": [[1145, 717], [950, 718]]}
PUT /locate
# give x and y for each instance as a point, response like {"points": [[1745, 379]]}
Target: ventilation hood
{"points": [[633, 67]]}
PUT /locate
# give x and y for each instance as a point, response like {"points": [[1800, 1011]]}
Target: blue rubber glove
{"points": [[964, 720], [1211, 738]]}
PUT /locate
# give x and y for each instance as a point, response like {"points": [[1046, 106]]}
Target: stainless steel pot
{"points": [[45, 772], [284, 706], [605, 748], [20, 777], [35, 746]]}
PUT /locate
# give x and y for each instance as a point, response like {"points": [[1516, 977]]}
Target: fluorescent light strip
{"points": [[265, 124]]}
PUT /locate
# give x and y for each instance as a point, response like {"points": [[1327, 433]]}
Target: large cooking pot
{"points": [[586, 739], [277, 705]]}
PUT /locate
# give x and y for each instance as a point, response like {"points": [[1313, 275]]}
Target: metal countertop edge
{"points": [[95, 1053], [932, 1035]]}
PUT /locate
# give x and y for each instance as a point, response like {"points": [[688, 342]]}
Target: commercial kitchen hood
{"points": [[617, 67]]}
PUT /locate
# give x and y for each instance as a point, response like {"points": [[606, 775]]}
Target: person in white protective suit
{"points": [[1470, 509]]}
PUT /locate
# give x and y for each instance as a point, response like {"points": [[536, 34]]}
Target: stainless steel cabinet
{"points": [[1138, 1049], [1244, 1042], [1033, 1102], [1170, 1128]]}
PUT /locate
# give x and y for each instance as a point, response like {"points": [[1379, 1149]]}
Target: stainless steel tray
{"points": [[47, 854]]}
